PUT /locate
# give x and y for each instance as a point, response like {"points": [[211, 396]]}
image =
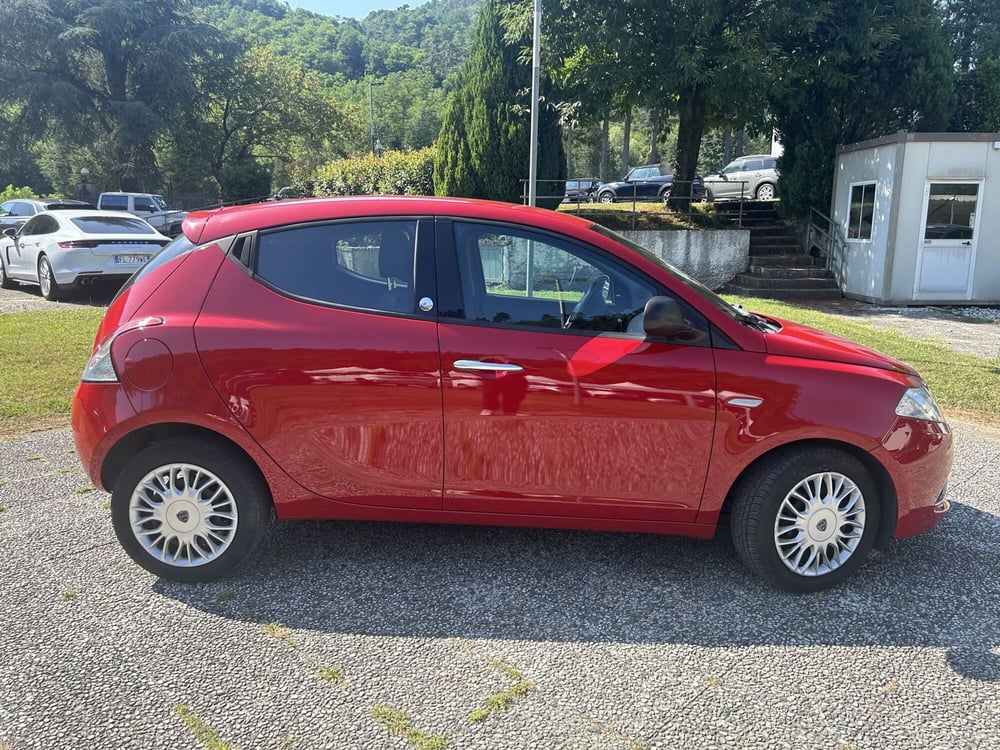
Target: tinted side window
{"points": [[366, 264], [5, 208], [143, 204], [513, 277], [771, 163], [40, 225], [754, 164], [20, 208]]}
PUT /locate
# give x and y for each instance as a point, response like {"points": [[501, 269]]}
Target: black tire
{"points": [[831, 528], [665, 195], [195, 470], [47, 281], [6, 282], [606, 197]]}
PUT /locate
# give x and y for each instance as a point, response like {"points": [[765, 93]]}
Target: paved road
{"points": [[618, 640]]}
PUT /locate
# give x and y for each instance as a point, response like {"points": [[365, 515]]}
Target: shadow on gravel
{"points": [[941, 590]]}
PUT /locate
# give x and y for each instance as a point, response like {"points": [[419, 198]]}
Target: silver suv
{"points": [[746, 178]]}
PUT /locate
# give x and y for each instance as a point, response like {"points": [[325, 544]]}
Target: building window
{"points": [[859, 226]]}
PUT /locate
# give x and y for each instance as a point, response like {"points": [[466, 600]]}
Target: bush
{"points": [[394, 173], [10, 192]]}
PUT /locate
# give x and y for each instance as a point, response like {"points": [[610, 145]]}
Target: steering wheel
{"points": [[593, 302]]}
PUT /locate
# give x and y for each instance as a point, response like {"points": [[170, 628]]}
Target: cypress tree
{"points": [[482, 151]]}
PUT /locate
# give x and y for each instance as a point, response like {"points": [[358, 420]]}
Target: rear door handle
{"points": [[474, 365]]}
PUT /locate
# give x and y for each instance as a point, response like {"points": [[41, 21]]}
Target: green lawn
{"points": [[43, 353], [41, 357]]}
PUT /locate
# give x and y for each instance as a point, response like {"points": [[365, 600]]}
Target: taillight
{"points": [[77, 244], [100, 368]]}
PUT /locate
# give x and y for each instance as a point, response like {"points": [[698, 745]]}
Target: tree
{"points": [[260, 106], [482, 151], [854, 71], [106, 72], [706, 62]]}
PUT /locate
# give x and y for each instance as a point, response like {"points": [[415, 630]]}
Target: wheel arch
{"points": [[888, 501], [130, 445]]}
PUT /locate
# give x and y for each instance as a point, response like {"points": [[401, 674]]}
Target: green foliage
{"points": [[109, 74], [10, 192], [246, 179], [885, 66], [483, 147], [394, 173]]}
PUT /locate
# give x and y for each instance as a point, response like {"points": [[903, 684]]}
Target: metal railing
{"points": [[825, 235]]}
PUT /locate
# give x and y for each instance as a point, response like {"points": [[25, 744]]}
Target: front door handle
{"points": [[474, 365], [968, 244]]}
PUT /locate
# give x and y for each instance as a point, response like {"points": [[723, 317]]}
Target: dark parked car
{"points": [[652, 182], [439, 360], [14, 213], [581, 190]]}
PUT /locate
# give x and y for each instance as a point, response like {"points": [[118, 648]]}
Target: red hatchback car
{"points": [[456, 361]]}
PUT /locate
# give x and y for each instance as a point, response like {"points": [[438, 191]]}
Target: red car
{"points": [[456, 361]]}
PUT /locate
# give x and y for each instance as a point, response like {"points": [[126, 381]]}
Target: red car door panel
{"points": [[347, 401]]}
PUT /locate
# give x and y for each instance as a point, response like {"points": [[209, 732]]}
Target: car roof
{"points": [[213, 224]]}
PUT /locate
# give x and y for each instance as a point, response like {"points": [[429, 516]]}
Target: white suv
{"points": [[753, 177]]}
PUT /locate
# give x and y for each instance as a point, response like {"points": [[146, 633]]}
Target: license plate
{"points": [[131, 260]]}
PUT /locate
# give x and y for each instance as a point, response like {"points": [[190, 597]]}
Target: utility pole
{"points": [[536, 67]]}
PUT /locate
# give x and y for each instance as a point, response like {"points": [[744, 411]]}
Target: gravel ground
{"points": [[622, 641]]}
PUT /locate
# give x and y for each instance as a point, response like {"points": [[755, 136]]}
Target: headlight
{"points": [[918, 403], [100, 368]]}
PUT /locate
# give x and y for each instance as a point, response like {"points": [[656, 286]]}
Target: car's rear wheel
{"points": [[190, 509], [765, 192], [807, 520], [607, 197], [47, 281], [5, 281]]}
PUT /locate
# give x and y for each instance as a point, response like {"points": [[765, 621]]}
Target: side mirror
{"points": [[10, 231], [662, 317]]}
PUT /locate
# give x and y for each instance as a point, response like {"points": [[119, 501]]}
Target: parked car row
{"points": [[752, 177]]}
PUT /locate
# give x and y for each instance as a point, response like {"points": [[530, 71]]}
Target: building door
{"points": [[947, 251]]}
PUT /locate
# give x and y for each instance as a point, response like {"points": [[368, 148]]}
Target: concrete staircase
{"points": [[779, 269]]}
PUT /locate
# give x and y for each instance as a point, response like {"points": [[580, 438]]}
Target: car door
{"points": [[28, 245], [555, 403], [313, 336]]}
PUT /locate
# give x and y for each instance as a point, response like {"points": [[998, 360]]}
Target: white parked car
{"points": [[59, 250], [148, 206]]}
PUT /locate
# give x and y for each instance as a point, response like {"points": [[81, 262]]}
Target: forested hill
{"points": [[432, 37]]}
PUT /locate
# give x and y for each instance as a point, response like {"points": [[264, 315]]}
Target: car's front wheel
{"points": [[806, 520], [47, 281], [6, 282], [190, 509]]}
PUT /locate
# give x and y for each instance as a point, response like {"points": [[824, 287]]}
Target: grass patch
{"points": [[205, 734], [502, 700], [68, 596], [332, 674], [397, 723], [277, 631], [960, 382], [43, 354]]}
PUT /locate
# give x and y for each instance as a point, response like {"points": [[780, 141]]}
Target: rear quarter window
{"points": [[114, 202], [112, 225]]}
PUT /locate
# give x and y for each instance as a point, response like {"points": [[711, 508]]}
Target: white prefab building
{"points": [[917, 219]]}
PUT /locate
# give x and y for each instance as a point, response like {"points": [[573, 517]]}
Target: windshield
{"points": [[711, 297]]}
